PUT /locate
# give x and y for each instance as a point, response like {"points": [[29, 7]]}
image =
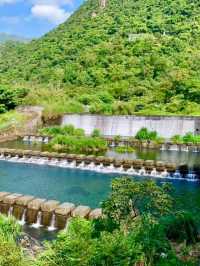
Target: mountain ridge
{"points": [[4, 37]]}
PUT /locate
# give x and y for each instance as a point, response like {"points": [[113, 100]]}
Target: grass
{"points": [[12, 119]]}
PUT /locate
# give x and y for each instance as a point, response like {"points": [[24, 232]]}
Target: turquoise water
{"points": [[78, 186]]}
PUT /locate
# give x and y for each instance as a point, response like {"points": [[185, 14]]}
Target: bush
{"points": [[96, 133], [82, 144], [181, 227], [145, 134], [10, 98]]}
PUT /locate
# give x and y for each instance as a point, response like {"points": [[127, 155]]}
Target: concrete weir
{"points": [[38, 212]]}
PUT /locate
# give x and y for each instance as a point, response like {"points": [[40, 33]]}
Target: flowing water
{"points": [[89, 187]]}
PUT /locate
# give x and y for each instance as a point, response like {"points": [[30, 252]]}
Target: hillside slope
{"points": [[4, 37], [129, 57]]}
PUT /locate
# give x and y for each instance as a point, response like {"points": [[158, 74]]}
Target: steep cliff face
{"points": [[144, 54]]}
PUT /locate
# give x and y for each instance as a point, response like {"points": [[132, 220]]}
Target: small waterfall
{"points": [[165, 173], [177, 174], [111, 167], [142, 171], [10, 211], [52, 226], [46, 140], [26, 138], [191, 176], [154, 172], [38, 222], [131, 171], [23, 220], [68, 223], [72, 164], [91, 166], [32, 139], [81, 165]]}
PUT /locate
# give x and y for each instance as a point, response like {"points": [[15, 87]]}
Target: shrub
{"points": [[96, 133], [181, 227], [145, 134]]}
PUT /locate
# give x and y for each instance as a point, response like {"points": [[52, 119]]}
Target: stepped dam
{"points": [[137, 167], [128, 126], [38, 212]]}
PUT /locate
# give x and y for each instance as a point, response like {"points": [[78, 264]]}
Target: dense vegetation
{"points": [[131, 57], [139, 227], [188, 138], [73, 140]]}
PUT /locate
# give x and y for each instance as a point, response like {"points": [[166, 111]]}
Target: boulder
{"points": [[81, 211], [95, 214]]}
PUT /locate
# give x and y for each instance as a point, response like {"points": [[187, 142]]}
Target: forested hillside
{"points": [[129, 57]]}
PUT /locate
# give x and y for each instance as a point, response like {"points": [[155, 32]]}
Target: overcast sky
{"points": [[33, 18]]}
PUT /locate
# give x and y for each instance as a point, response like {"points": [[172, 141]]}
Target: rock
{"points": [[81, 211], [95, 214]]}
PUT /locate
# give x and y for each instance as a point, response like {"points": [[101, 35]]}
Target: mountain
{"points": [[114, 57], [4, 37]]}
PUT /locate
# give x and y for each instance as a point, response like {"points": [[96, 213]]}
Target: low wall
{"points": [[127, 126], [41, 212]]}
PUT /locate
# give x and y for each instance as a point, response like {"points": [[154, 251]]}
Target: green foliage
{"points": [[187, 138], [132, 57], [145, 134], [181, 227], [124, 149], [11, 254], [65, 130], [79, 145], [10, 98], [130, 198], [73, 140], [96, 133]]}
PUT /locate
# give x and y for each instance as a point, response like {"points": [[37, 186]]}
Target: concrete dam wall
{"points": [[127, 126]]}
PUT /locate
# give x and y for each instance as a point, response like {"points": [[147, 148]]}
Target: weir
{"points": [[102, 164], [38, 212]]}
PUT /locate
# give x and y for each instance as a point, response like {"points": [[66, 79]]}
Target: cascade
{"points": [[177, 174], [91, 166], [25, 138], [23, 220], [163, 147], [111, 167], [131, 171], [38, 222], [191, 176], [10, 211], [165, 173], [32, 139], [142, 171], [81, 165], [63, 163], [68, 223], [53, 222], [46, 140], [154, 172], [173, 148], [186, 149]]}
